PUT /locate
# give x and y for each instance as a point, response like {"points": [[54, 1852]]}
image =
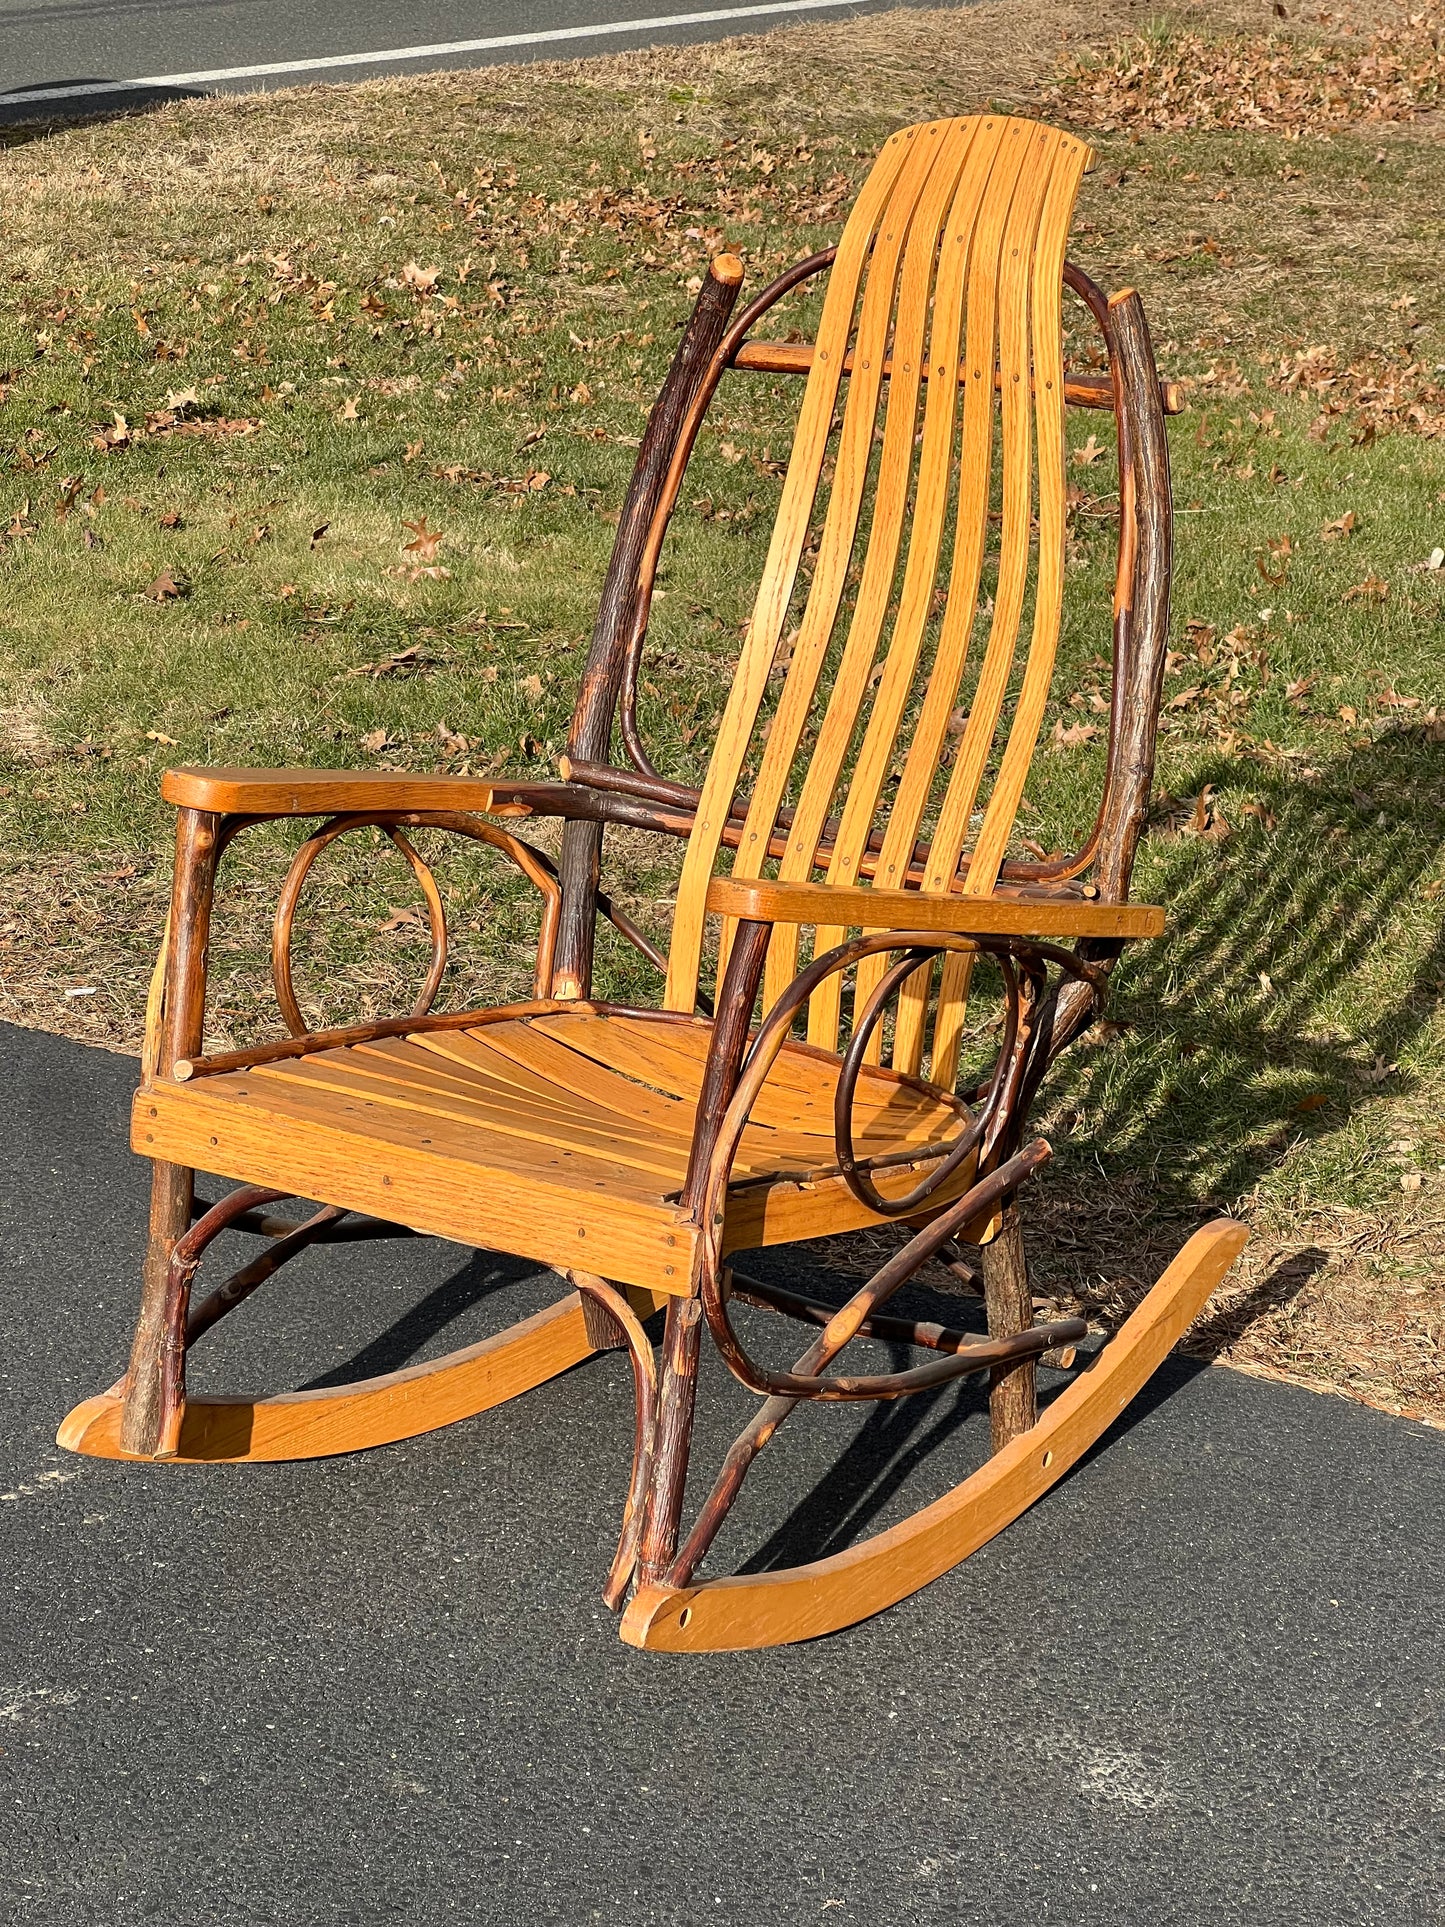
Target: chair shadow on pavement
{"points": [[480, 1278]]}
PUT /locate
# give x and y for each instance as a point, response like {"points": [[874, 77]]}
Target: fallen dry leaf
{"points": [[1090, 452], [425, 542], [1342, 525], [1207, 821], [157, 736], [1372, 589], [167, 586]]}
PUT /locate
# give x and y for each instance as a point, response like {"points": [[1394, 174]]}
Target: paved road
{"points": [[1199, 1683], [71, 56]]}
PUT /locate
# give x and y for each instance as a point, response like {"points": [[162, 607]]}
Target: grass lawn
{"points": [[319, 408]]}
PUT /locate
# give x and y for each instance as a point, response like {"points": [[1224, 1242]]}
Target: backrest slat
{"points": [[780, 571], [975, 470], [938, 217]]}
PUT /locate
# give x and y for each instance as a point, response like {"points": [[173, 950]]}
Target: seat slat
{"points": [[526, 1048], [762, 1146], [248, 1091], [659, 1159], [760, 1150], [798, 1095]]}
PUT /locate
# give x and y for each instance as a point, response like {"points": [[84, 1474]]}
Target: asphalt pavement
{"points": [[70, 57], [1199, 1682]]}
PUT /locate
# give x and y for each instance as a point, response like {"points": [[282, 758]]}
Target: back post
{"points": [[590, 737]]}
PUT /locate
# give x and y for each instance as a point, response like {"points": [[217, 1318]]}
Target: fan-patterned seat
{"points": [[563, 1138]]}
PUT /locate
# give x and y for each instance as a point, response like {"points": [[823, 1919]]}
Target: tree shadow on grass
{"points": [[1300, 965], [23, 121]]}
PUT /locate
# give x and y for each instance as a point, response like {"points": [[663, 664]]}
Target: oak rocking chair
{"points": [[866, 778]]}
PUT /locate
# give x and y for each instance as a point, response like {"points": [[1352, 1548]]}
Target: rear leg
{"points": [[1012, 1394]]}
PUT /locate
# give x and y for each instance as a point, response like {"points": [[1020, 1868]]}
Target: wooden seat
{"points": [[853, 856], [563, 1138]]}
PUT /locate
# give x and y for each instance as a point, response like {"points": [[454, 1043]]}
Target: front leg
{"points": [[683, 1336], [181, 1021]]}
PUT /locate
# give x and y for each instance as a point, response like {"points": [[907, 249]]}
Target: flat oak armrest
{"points": [[1040, 914], [344, 792], [319, 792]]}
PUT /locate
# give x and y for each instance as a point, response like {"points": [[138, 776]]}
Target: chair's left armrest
{"points": [[1039, 913]]}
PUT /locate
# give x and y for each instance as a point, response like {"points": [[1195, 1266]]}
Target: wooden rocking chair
{"points": [[634, 1150]]}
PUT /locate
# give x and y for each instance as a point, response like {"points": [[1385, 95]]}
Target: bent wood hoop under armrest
{"points": [[835, 907]]}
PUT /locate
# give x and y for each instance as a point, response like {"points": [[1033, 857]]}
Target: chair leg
{"points": [[154, 1343], [681, 1342], [1012, 1406]]}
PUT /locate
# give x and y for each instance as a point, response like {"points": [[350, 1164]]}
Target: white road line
{"points": [[605, 27]]}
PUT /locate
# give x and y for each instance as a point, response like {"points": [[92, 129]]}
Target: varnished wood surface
{"points": [[351, 1418], [803, 1602], [858, 908], [953, 254], [319, 792]]}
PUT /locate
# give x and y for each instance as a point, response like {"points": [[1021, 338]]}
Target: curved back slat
{"points": [[952, 258]]}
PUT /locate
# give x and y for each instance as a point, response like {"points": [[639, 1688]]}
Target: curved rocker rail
{"points": [[349, 1418], [804, 1602]]}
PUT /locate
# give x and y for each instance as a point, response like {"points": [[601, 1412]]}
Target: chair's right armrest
{"points": [[1042, 914]]}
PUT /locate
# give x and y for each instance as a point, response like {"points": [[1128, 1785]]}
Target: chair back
{"points": [[895, 671]]}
